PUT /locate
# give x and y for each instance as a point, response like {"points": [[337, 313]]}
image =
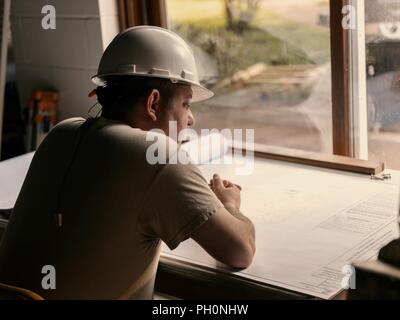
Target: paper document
{"points": [[309, 222], [12, 175]]}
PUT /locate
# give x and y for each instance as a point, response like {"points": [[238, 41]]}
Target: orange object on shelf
{"points": [[46, 109], [42, 116]]}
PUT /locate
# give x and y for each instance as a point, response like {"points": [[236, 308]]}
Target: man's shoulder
{"points": [[64, 129], [137, 139], [71, 122], [68, 124], [158, 147]]}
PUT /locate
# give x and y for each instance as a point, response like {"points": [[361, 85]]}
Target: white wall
{"points": [[64, 59]]}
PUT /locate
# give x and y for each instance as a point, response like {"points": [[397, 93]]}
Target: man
{"points": [[95, 209]]}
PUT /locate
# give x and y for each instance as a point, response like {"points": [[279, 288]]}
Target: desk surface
{"points": [[310, 223]]}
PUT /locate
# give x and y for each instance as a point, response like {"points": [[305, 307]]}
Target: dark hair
{"points": [[121, 93]]}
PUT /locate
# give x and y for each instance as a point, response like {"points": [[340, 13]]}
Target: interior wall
{"points": [[66, 58]]}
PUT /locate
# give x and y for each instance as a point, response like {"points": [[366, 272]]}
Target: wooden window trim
{"points": [[157, 13], [142, 12], [340, 60], [315, 159]]}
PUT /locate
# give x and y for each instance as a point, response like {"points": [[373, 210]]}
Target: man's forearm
{"points": [[240, 216]]}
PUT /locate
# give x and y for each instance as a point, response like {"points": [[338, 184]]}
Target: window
{"points": [[382, 46], [268, 63], [290, 70]]}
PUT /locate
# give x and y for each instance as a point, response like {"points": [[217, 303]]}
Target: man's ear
{"points": [[152, 104]]}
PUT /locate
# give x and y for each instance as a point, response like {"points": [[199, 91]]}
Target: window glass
{"points": [[268, 63], [382, 31]]}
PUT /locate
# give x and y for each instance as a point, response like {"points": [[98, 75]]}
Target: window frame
{"points": [[340, 61], [142, 12], [358, 83]]}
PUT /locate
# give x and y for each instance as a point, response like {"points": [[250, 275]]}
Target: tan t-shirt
{"points": [[115, 209]]}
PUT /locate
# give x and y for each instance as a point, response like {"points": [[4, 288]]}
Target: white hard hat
{"points": [[150, 51]]}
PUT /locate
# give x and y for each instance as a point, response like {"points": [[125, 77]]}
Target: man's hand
{"points": [[227, 192], [228, 235]]}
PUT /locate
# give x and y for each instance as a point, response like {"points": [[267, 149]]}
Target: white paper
{"points": [[309, 223], [12, 175]]}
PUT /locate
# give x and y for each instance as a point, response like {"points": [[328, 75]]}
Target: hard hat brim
{"points": [[200, 93]]}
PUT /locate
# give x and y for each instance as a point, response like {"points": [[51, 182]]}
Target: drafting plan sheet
{"points": [[309, 222], [12, 175]]}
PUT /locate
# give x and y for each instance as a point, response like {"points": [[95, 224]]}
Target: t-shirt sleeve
{"points": [[178, 202]]}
